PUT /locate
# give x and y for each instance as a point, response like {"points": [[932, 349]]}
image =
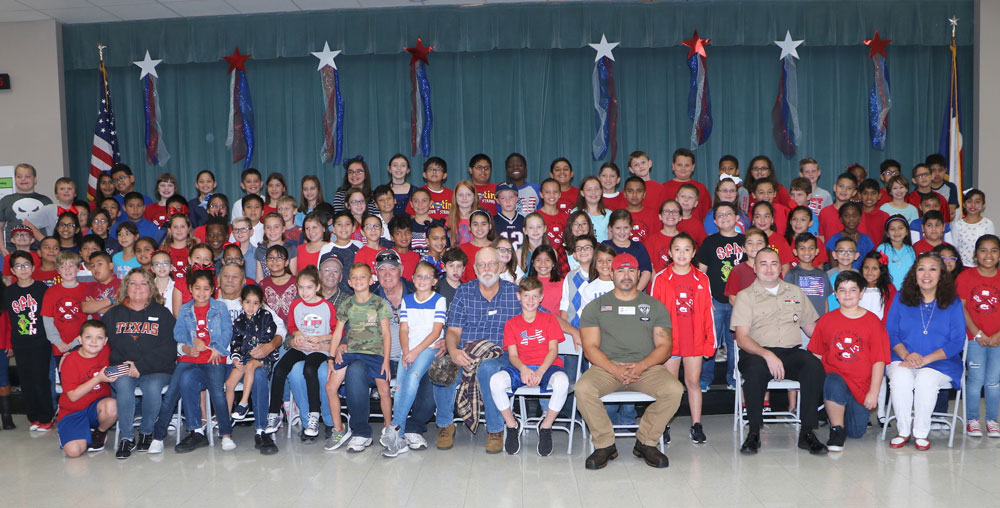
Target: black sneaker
{"points": [[191, 442], [256, 440], [809, 441], [142, 444], [267, 446], [97, 440], [838, 436], [240, 412], [698, 434], [544, 442], [666, 435], [125, 447], [512, 444]]}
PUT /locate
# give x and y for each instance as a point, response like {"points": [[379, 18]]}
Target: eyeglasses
{"points": [[241, 230], [921, 175], [434, 169], [757, 168], [373, 226], [66, 225], [356, 202], [217, 206], [584, 248], [673, 212], [355, 171], [274, 258], [481, 167], [725, 214], [505, 250], [22, 266], [99, 221], [121, 179], [423, 276], [950, 259], [161, 263], [846, 251]]}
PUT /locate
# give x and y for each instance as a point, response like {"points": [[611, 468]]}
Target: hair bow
{"points": [[737, 180], [882, 258]]}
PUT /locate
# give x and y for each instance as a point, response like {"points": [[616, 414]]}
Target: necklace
{"points": [[926, 324]]}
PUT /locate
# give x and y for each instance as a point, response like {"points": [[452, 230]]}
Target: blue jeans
{"points": [[983, 372], [722, 313], [423, 404], [407, 384], [444, 396], [186, 384], [4, 368], [152, 391], [856, 416]]}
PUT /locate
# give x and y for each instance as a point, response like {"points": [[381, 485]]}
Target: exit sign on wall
{"points": [[4, 81]]}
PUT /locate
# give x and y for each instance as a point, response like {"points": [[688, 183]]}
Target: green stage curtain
{"points": [[518, 78]]}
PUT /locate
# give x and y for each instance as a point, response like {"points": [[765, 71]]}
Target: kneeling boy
{"points": [[86, 408], [854, 347]]}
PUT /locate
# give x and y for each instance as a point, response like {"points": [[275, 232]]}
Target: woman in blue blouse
{"points": [[926, 328]]}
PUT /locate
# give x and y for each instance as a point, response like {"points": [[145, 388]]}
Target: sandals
{"points": [[900, 441], [922, 444]]}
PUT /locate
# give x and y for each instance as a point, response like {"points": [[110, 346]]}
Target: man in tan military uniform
{"points": [[767, 319]]}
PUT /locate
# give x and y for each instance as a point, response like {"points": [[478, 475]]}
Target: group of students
{"points": [[70, 262]]}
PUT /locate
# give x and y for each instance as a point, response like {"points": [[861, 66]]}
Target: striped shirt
{"points": [[420, 317]]}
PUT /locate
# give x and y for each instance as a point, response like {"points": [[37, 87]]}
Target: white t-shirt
{"points": [[592, 290]]}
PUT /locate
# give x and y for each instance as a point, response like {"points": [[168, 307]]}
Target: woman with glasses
{"points": [[356, 175]]}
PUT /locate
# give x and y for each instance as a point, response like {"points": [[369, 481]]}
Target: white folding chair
{"points": [[627, 397], [566, 348], [209, 426], [740, 422], [950, 420]]}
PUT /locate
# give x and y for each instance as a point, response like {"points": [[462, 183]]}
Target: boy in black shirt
{"points": [[23, 302]]}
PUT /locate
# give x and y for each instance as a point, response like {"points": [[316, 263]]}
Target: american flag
{"points": [[104, 153]]}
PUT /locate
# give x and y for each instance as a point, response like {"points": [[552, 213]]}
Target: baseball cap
{"points": [[504, 186], [19, 228], [624, 261], [330, 256], [387, 257]]}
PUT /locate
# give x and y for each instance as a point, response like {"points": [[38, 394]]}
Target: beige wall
{"points": [[32, 113], [986, 103]]}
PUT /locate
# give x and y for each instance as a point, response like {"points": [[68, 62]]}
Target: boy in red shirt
{"points": [[402, 235], [103, 292], [933, 232], [641, 166], [922, 180], [86, 408], [873, 219], [532, 341], [683, 168], [829, 217], [62, 309], [562, 171], [644, 218], [692, 220], [435, 173], [854, 347], [480, 172]]}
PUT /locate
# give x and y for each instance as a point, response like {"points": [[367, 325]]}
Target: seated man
{"points": [[767, 317], [626, 338]]}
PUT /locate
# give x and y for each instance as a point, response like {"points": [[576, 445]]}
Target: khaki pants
{"points": [[657, 382]]}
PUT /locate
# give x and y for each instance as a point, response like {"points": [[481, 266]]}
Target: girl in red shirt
{"points": [[545, 267], [686, 293]]}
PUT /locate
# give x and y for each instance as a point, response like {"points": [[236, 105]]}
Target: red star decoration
{"points": [[236, 60], [697, 45], [877, 46], [419, 52]]}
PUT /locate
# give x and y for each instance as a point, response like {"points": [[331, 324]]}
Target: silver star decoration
{"points": [[788, 46], [148, 66], [604, 48], [326, 56]]}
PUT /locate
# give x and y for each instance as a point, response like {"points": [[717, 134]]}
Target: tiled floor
{"points": [[868, 473]]}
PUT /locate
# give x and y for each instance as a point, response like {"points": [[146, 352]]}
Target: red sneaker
{"points": [[44, 427]]}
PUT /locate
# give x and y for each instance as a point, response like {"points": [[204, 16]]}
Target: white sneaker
{"points": [[228, 444], [312, 427], [273, 423], [358, 444], [155, 446], [415, 441], [389, 435]]}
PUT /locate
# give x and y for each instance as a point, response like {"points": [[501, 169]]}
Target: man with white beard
{"points": [[479, 311]]}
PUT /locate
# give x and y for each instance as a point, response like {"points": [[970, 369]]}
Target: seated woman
{"points": [[203, 331], [140, 333], [926, 328]]}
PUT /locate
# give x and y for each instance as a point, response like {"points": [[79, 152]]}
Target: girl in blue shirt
{"points": [[897, 248]]}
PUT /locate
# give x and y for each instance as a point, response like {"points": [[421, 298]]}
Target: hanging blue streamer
{"points": [[424, 89], [339, 133], [605, 100], [699, 97], [879, 104], [147, 107], [246, 109]]}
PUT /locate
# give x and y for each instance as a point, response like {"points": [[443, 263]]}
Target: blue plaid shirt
{"points": [[480, 318]]}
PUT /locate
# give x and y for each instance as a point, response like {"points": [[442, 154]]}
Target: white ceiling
{"points": [[92, 11]]}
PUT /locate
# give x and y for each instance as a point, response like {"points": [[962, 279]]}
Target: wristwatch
{"points": [[978, 335]]}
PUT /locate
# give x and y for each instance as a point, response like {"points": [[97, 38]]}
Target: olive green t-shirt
{"points": [[626, 326]]}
